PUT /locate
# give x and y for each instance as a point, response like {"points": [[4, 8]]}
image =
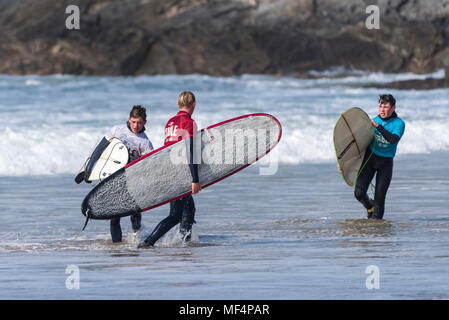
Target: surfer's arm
{"points": [[196, 187], [193, 166], [390, 137]]}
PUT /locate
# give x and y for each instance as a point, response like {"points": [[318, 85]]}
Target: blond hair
{"points": [[186, 99]]}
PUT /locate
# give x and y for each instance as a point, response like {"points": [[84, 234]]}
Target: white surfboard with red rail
{"points": [[164, 175]]}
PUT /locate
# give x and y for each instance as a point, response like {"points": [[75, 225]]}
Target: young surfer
{"points": [[134, 138], [182, 211], [388, 128]]}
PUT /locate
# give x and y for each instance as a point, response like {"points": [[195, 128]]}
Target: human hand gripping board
{"points": [[353, 133], [163, 175]]}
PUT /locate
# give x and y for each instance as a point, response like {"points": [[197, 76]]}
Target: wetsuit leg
{"points": [[176, 209], [363, 181], [188, 216], [116, 230], [383, 179], [136, 221]]}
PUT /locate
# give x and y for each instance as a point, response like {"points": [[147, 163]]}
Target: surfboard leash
{"points": [[87, 220]]}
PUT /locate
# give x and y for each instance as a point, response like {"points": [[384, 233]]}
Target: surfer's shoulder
{"points": [[398, 121], [119, 127], [113, 132]]}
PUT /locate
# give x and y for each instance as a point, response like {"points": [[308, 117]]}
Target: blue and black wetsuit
{"points": [[379, 160]]}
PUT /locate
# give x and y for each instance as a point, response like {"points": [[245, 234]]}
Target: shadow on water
{"points": [[366, 228]]}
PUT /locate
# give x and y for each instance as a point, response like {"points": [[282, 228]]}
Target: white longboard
{"points": [[160, 177], [113, 158]]}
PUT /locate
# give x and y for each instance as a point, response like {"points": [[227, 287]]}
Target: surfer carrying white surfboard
{"points": [[378, 158], [182, 211], [132, 135]]}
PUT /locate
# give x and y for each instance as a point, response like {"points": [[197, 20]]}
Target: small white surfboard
{"points": [[113, 158]]}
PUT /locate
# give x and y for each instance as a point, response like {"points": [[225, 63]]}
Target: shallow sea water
{"points": [[298, 234]]}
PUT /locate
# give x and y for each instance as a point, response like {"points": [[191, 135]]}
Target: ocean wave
{"points": [[52, 122], [44, 152], [316, 145], [380, 77]]}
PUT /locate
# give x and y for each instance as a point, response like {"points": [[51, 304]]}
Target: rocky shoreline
{"points": [[224, 37]]}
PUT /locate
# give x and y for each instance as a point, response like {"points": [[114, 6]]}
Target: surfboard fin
{"points": [[80, 177], [87, 220]]}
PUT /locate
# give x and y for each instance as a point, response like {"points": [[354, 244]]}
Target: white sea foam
{"points": [[35, 152], [360, 75], [49, 124]]}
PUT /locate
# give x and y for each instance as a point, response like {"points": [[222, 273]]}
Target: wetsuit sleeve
{"points": [[193, 166], [390, 137]]}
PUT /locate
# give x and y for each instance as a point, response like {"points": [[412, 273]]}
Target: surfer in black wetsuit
{"points": [[378, 159]]}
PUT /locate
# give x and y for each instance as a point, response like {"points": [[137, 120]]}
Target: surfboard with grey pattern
{"points": [[164, 175]]}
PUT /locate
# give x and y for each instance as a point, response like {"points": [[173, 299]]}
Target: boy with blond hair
{"points": [[182, 211]]}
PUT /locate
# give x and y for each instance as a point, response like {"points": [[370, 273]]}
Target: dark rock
{"points": [[414, 84], [222, 37]]}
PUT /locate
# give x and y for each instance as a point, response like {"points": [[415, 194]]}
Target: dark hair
{"points": [[387, 98], [138, 112]]}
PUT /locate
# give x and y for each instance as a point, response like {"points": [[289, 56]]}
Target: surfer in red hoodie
{"points": [[182, 211]]}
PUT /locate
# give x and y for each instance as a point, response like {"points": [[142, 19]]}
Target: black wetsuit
{"points": [[383, 166], [181, 211]]}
